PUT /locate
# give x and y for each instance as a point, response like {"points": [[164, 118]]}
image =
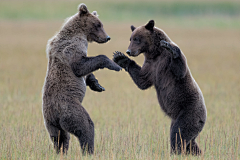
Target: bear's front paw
{"points": [[121, 60], [173, 49], [165, 44], [115, 67], [95, 86], [105, 62]]}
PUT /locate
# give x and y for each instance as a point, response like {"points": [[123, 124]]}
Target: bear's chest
{"points": [[163, 74]]}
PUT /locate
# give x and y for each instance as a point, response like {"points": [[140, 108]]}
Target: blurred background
{"points": [[129, 123]]}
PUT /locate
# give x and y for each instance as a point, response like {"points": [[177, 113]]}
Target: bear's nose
{"points": [[108, 38], [128, 52]]}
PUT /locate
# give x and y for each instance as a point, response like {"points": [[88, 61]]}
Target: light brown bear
{"points": [[166, 68], [69, 71]]}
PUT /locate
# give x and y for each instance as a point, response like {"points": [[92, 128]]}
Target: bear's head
{"points": [[91, 25], [145, 39]]}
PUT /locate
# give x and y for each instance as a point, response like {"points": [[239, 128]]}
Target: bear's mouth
{"points": [[97, 39], [135, 54]]}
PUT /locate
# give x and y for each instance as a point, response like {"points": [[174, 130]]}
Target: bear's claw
{"points": [[118, 55], [121, 60], [100, 88]]}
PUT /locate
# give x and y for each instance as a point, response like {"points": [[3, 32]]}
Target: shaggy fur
{"points": [[165, 67], [65, 84]]}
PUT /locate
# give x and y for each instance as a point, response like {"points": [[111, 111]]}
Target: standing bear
{"points": [[69, 71], [166, 68]]}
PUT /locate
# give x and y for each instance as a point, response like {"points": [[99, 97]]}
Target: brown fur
{"points": [[65, 85], [166, 68]]}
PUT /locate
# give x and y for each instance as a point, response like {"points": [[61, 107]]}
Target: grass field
{"points": [[129, 123]]}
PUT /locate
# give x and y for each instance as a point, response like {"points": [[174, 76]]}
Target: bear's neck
{"points": [[151, 55], [68, 33], [72, 27], [155, 50]]}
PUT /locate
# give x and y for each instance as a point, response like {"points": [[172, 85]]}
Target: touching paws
{"points": [[173, 49], [116, 68], [113, 66], [105, 62], [121, 60]]}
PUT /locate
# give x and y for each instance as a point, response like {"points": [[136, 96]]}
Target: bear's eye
{"points": [[136, 40], [99, 25]]}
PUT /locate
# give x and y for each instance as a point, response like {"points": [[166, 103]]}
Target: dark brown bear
{"points": [[69, 71], [166, 68]]}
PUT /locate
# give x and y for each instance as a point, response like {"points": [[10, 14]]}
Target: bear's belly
{"points": [[171, 109], [58, 94], [65, 89], [75, 88]]}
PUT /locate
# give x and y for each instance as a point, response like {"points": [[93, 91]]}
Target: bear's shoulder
{"points": [[76, 49]]}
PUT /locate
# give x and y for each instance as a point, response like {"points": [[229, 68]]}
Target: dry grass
{"points": [[128, 122]]}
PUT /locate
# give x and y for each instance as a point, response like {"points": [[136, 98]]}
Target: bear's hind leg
{"points": [[183, 131], [79, 124], [59, 138], [64, 141], [193, 148], [87, 140]]}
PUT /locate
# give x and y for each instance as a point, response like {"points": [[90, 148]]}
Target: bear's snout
{"points": [[108, 38], [128, 52]]}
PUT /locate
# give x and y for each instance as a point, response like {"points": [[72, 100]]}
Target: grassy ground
{"points": [[129, 123]]}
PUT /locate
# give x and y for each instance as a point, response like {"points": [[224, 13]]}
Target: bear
{"points": [[165, 67], [69, 71]]}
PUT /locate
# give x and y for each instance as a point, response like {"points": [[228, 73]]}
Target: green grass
{"points": [[222, 14]]}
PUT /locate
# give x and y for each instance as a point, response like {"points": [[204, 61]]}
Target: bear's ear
{"points": [[95, 13], [82, 9], [150, 25], [133, 28]]}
